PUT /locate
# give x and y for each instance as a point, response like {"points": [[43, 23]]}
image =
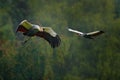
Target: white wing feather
{"points": [[50, 31], [92, 33], [75, 31]]}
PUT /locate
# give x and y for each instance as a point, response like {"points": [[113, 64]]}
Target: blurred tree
{"points": [[76, 58]]}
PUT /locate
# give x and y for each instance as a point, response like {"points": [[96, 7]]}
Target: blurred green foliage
{"points": [[77, 58]]}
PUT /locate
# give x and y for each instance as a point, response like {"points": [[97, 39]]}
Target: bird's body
{"points": [[90, 35], [47, 33]]}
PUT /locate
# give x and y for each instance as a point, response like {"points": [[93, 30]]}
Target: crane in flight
{"points": [[47, 33], [90, 35]]}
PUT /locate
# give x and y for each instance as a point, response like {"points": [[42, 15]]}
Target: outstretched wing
{"points": [[95, 33], [75, 31], [51, 36], [24, 26]]}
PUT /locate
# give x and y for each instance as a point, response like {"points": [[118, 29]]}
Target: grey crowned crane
{"points": [[90, 35], [47, 33]]}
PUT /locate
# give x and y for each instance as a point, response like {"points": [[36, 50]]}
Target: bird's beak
{"points": [[41, 29]]}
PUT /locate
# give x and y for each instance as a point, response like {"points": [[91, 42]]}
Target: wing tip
{"points": [[69, 29], [102, 31], [56, 42]]}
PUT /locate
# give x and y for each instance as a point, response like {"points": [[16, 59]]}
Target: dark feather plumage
{"points": [[53, 41]]}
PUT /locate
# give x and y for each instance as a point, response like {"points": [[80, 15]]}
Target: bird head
{"points": [[38, 27]]}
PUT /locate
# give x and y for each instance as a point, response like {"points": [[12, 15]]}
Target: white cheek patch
{"points": [[37, 27]]}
